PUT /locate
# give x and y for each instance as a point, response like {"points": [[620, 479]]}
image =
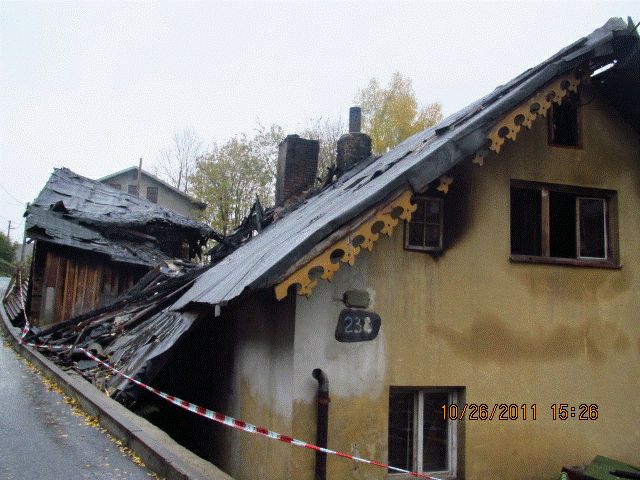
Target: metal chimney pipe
{"points": [[355, 117]]}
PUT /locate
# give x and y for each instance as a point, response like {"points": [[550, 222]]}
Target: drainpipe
{"points": [[322, 426]]}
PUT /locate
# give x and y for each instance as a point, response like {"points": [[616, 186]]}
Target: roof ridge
{"points": [[154, 177]]}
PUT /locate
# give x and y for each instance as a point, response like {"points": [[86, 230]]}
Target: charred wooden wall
{"points": [[67, 282]]}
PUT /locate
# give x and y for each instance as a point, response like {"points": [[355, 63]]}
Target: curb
{"points": [[160, 453]]}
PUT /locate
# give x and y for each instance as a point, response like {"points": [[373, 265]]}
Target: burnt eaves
{"points": [[416, 162]]}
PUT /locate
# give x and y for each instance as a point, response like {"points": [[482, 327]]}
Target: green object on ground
{"points": [[601, 467]]}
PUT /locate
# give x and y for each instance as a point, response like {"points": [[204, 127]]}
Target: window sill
{"points": [[568, 147], [406, 476], [572, 262], [415, 248]]}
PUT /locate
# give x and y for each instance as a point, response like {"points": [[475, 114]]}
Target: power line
{"points": [[11, 195]]}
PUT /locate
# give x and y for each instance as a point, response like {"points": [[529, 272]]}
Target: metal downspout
{"points": [[322, 427]]}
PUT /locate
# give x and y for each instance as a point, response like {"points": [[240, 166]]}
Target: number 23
{"points": [[355, 325]]}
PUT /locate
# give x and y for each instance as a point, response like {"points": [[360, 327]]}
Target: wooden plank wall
{"points": [[34, 299], [75, 282]]}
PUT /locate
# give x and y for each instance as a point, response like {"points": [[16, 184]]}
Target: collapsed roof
{"points": [[75, 211], [138, 331], [424, 157], [135, 332]]}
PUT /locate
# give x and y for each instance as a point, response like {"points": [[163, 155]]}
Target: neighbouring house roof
{"points": [[75, 211], [419, 160], [197, 204], [53, 227]]}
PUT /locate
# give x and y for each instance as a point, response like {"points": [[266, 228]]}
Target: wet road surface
{"points": [[41, 437]]}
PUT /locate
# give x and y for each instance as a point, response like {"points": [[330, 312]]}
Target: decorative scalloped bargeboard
{"points": [[326, 264], [345, 250], [528, 111]]}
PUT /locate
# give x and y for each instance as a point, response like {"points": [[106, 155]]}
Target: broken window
{"points": [[152, 194], [561, 222], [133, 190], [564, 123], [424, 231], [421, 437]]}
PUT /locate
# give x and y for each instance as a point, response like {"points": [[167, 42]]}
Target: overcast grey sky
{"points": [[94, 86]]}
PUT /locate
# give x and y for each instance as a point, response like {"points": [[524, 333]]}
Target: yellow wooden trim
{"points": [[445, 181], [523, 115], [389, 219], [528, 111]]}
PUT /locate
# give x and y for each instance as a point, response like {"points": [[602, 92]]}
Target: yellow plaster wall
{"points": [[261, 394], [356, 373], [507, 332], [523, 333]]}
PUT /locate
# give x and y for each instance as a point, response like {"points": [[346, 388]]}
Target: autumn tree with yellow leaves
{"points": [[231, 175], [392, 114]]}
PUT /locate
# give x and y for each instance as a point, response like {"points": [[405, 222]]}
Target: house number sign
{"points": [[357, 325]]}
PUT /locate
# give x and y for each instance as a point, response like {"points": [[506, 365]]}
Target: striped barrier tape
{"points": [[216, 416], [26, 327], [248, 427]]}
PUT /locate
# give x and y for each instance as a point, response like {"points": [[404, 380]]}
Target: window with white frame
{"points": [[424, 231], [421, 439], [562, 224]]}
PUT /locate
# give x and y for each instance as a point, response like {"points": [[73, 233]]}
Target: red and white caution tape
{"points": [[219, 417], [247, 427], [25, 329]]}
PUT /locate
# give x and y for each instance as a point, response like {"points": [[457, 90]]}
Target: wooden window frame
{"points": [[425, 248], [135, 193], [455, 396], [610, 235], [550, 120]]}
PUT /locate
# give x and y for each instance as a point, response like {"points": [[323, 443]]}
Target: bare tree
{"points": [[177, 162], [327, 131]]}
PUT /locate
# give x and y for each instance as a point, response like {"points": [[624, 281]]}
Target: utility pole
{"points": [[9, 228], [24, 240], [139, 173]]}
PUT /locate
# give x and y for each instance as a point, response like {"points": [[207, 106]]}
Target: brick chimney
{"points": [[297, 167], [353, 147]]}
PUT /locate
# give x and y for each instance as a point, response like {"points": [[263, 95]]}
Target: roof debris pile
{"points": [[253, 223], [13, 299], [133, 334], [78, 212]]}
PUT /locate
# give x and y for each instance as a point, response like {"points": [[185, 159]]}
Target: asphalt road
{"points": [[41, 438]]}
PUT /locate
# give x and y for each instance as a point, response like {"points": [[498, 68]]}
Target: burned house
{"points": [[490, 260], [468, 300], [92, 243]]}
